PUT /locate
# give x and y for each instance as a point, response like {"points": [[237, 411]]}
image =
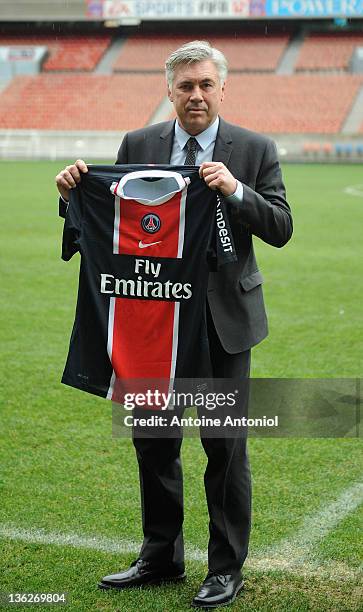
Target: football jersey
{"points": [[143, 233]]}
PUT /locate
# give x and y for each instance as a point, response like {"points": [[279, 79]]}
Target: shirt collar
{"points": [[204, 139]]}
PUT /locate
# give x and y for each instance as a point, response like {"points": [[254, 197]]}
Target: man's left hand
{"points": [[217, 176]]}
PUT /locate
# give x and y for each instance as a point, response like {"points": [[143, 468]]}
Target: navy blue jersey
{"points": [[143, 233]]}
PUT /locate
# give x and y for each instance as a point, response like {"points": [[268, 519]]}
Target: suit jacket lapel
{"points": [[165, 144], [223, 146]]}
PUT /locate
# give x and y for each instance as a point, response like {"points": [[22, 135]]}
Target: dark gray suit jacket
{"points": [[234, 293]]}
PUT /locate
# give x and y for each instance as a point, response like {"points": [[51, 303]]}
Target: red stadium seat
{"points": [[327, 148], [328, 50], [295, 104], [66, 52], [266, 103], [311, 148], [251, 52], [80, 102]]}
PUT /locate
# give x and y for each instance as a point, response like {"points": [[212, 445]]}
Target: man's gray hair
{"points": [[192, 52]]}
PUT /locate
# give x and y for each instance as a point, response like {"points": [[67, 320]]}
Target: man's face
{"points": [[196, 93]]}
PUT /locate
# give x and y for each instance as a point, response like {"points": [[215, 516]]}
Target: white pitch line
{"points": [[41, 536], [355, 190], [294, 555], [316, 526]]}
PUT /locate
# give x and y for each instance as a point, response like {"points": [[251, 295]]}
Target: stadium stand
{"points": [[328, 50], [267, 103], [66, 52], [295, 104], [80, 102], [248, 52]]}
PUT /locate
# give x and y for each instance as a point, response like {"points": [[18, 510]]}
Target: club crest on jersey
{"points": [[151, 223]]}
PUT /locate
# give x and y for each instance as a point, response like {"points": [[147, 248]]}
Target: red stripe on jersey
{"points": [[134, 240], [142, 344]]}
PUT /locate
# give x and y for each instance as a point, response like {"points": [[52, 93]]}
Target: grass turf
{"points": [[62, 472]]}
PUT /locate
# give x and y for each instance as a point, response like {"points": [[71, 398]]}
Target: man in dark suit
{"points": [[244, 168]]}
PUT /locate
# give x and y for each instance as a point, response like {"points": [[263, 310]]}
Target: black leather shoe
{"points": [[141, 573], [218, 590]]}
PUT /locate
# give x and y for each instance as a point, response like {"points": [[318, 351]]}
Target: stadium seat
{"points": [[66, 52], [266, 103], [80, 102], [249, 52], [344, 149], [328, 50], [311, 148], [327, 148], [296, 104]]}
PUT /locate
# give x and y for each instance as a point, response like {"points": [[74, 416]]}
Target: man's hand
{"points": [[69, 177], [217, 176]]}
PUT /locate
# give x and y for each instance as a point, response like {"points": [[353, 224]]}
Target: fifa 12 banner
{"points": [[175, 9]]}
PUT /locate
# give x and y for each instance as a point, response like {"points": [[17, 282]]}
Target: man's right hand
{"points": [[69, 177]]}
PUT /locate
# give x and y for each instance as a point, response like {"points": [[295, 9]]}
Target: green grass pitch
{"points": [[62, 473]]}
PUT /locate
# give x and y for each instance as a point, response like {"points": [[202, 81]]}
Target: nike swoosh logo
{"points": [[144, 246]]}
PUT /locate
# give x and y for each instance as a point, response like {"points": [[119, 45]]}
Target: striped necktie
{"points": [[192, 146]]}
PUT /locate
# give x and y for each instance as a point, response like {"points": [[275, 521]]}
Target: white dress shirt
{"points": [[206, 141]]}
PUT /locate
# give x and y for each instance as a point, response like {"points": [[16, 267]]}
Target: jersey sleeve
{"points": [[72, 225], [62, 208]]}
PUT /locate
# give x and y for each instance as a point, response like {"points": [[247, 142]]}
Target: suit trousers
{"points": [[227, 484]]}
